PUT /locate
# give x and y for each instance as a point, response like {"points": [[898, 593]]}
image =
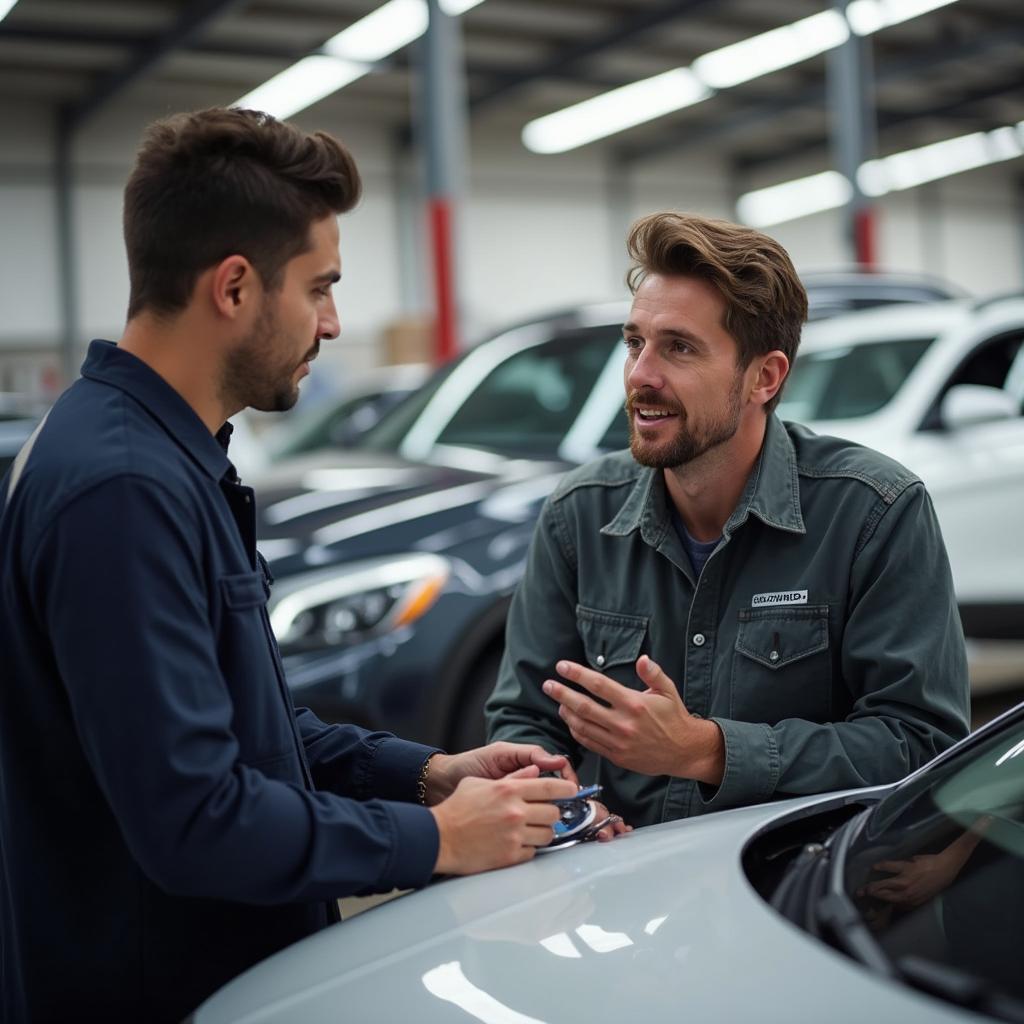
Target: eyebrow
{"points": [[665, 332], [330, 277]]}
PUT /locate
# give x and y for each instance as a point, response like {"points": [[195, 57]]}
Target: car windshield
{"points": [[847, 382], [524, 406], [937, 872]]}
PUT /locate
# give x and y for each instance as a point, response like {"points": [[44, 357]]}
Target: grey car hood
{"points": [[659, 925]]}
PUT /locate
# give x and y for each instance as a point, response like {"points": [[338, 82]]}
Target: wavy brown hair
{"points": [[765, 302], [222, 182]]}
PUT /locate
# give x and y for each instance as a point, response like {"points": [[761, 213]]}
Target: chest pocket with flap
{"points": [[781, 668], [612, 641]]}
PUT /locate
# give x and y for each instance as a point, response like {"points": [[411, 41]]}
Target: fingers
{"points": [[893, 866], [654, 675], [530, 771], [889, 888], [616, 827], [537, 835], [510, 756], [533, 790], [579, 703], [590, 734], [542, 814], [594, 682], [548, 762]]}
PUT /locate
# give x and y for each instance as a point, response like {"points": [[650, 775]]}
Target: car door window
{"points": [[844, 383], [996, 363], [527, 403]]}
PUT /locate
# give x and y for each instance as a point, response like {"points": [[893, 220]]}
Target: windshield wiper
{"points": [[837, 913]]}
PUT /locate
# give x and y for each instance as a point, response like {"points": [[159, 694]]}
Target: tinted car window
{"points": [[938, 870], [844, 383], [527, 403]]}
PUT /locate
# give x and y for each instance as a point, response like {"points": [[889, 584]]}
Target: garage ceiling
{"points": [[946, 73]]}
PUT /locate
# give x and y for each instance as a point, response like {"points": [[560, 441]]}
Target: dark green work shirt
{"points": [[822, 635]]}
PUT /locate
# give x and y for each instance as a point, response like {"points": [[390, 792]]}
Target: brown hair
{"points": [[765, 303], [221, 182]]}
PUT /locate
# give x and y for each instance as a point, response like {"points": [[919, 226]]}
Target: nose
{"points": [[329, 326], [642, 370]]}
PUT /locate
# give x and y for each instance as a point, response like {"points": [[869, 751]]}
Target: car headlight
{"points": [[348, 603]]}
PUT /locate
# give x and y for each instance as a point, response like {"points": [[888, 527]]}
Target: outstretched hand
{"points": [[647, 731]]}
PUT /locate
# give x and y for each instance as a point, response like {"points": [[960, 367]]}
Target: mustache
{"points": [[646, 400]]}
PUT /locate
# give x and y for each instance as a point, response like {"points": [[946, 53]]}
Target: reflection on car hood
{"points": [[660, 925], [335, 507]]}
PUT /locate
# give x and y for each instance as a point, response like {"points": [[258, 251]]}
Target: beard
{"points": [[254, 374], [689, 442]]}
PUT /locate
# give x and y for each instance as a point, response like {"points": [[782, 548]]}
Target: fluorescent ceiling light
{"points": [[867, 16], [614, 111], [793, 199], [346, 56], [302, 85], [457, 7], [382, 32], [940, 160], [721, 69], [830, 189], [770, 51], [5, 8]]}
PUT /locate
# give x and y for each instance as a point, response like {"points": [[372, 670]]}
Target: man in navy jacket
{"points": [[166, 818]]}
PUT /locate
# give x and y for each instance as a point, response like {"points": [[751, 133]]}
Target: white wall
{"points": [[535, 233]]}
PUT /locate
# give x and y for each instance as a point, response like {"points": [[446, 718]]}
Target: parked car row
{"points": [[396, 560]]}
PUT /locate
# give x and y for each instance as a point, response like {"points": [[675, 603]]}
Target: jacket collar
{"points": [[108, 364], [772, 493]]}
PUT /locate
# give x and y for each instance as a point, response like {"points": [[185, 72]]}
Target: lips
{"points": [[310, 355], [644, 411]]}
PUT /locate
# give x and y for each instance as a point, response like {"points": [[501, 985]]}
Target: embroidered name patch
{"points": [[779, 597]]}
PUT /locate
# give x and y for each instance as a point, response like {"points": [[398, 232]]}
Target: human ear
{"points": [[773, 369], [234, 285]]}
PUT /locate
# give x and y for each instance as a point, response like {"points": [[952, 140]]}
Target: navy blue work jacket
{"points": [[166, 818]]}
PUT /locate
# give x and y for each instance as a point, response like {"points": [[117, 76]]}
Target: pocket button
{"points": [[774, 656], [599, 661], [698, 639]]}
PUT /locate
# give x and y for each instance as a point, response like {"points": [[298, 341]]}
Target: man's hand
{"points": [[609, 832], [489, 823], [915, 881], [494, 761], [649, 731]]}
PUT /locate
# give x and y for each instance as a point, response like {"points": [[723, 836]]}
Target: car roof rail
{"points": [[992, 300]]}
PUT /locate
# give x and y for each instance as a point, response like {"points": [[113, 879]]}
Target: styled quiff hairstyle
{"points": [[224, 182], [765, 303]]}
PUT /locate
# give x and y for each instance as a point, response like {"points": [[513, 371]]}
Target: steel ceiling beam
{"points": [[260, 50], [752, 115], [193, 19], [892, 119], [61, 35], [556, 64]]}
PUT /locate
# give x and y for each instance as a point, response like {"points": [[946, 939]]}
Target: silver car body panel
{"points": [[660, 925]]}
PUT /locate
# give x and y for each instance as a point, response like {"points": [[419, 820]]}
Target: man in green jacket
{"points": [[736, 609]]}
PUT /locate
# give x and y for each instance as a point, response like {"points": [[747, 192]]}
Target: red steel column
{"points": [[444, 138], [445, 304]]}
